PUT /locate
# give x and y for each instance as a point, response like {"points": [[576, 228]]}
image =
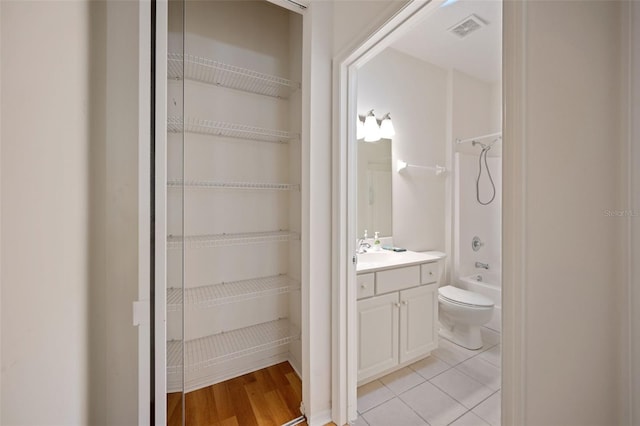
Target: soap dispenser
{"points": [[376, 242]]}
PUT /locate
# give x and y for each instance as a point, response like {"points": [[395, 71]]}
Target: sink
{"points": [[376, 256], [376, 259]]}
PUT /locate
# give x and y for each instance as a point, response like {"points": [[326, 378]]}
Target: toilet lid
{"points": [[464, 297]]}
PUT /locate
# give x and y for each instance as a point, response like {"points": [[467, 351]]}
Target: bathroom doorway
{"points": [[434, 72]]}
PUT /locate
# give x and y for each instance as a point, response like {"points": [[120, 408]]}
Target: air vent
{"points": [[468, 25]]}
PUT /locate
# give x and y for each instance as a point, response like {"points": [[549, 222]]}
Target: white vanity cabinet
{"points": [[418, 321], [397, 322], [378, 334]]}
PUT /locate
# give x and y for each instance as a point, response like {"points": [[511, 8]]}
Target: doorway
{"points": [[434, 170]]}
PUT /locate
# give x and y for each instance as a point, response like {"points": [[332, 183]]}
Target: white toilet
{"points": [[461, 314]]}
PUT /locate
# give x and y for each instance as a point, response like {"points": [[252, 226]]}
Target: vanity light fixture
{"points": [[371, 129], [386, 127]]}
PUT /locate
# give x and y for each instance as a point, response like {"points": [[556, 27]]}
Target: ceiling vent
{"points": [[468, 25]]}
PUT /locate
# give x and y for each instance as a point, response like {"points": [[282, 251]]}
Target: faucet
{"points": [[363, 245], [482, 265]]}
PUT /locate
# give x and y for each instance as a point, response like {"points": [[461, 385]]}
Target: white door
{"points": [[377, 334], [418, 316]]}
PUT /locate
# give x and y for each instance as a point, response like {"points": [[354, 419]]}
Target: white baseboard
{"points": [[320, 419], [295, 364]]}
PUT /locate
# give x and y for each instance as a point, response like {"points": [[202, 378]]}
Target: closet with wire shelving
{"points": [[233, 190]]}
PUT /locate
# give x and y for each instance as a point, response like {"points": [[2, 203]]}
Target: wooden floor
{"points": [[267, 397]]}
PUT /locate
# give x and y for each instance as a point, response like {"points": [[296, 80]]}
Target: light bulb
{"points": [[359, 129], [386, 128], [371, 128]]}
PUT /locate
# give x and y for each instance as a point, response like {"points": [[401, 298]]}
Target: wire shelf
{"points": [[232, 185], [229, 130], [174, 357], [174, 299], [230, 292], [220, 240], [218, 348], [220, 74]]}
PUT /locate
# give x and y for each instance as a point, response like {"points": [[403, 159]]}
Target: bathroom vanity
{"points": [[397, 310]]}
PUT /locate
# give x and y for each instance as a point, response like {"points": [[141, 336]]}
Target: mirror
{"points": [[374, 187]]}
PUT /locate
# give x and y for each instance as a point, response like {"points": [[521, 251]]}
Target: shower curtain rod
{"points": [[477, 138]]}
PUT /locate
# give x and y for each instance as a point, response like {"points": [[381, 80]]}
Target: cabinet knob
{"points": [[404, 302], [363, 286], [397, 304], [430, 272]]}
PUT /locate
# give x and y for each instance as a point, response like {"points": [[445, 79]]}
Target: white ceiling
{"points": [[478, 54]]}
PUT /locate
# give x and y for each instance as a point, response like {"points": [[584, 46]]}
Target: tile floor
{"points": [[454, 386]]}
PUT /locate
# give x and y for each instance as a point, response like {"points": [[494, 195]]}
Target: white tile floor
{"points": [[453, 386]]}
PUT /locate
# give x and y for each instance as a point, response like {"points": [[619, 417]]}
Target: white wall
{"points": [[476, 109], [415, 92], [69, 213], [496, 106], [356, 20], [51, 125], [574, 277]]}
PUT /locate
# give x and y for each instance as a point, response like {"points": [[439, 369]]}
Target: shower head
{"points": [[486, 146], [473, 143]]}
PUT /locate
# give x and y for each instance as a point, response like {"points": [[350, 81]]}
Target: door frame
{"points": [[344, 320], [153, 221], [632, 224], [159, 213]]}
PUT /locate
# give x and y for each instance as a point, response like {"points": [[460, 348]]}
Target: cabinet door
{"points": [[418, 321], [377, 335]]}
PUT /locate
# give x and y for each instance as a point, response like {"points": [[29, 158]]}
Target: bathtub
{"points": [[490, 287]]}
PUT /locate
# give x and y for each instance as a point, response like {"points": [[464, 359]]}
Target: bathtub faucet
{"points": [[482, 265]]}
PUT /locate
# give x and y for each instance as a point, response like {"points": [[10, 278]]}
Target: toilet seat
{"points": [[463, 297]]}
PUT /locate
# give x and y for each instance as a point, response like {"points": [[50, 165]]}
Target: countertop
{"points": [[397, 259]]}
